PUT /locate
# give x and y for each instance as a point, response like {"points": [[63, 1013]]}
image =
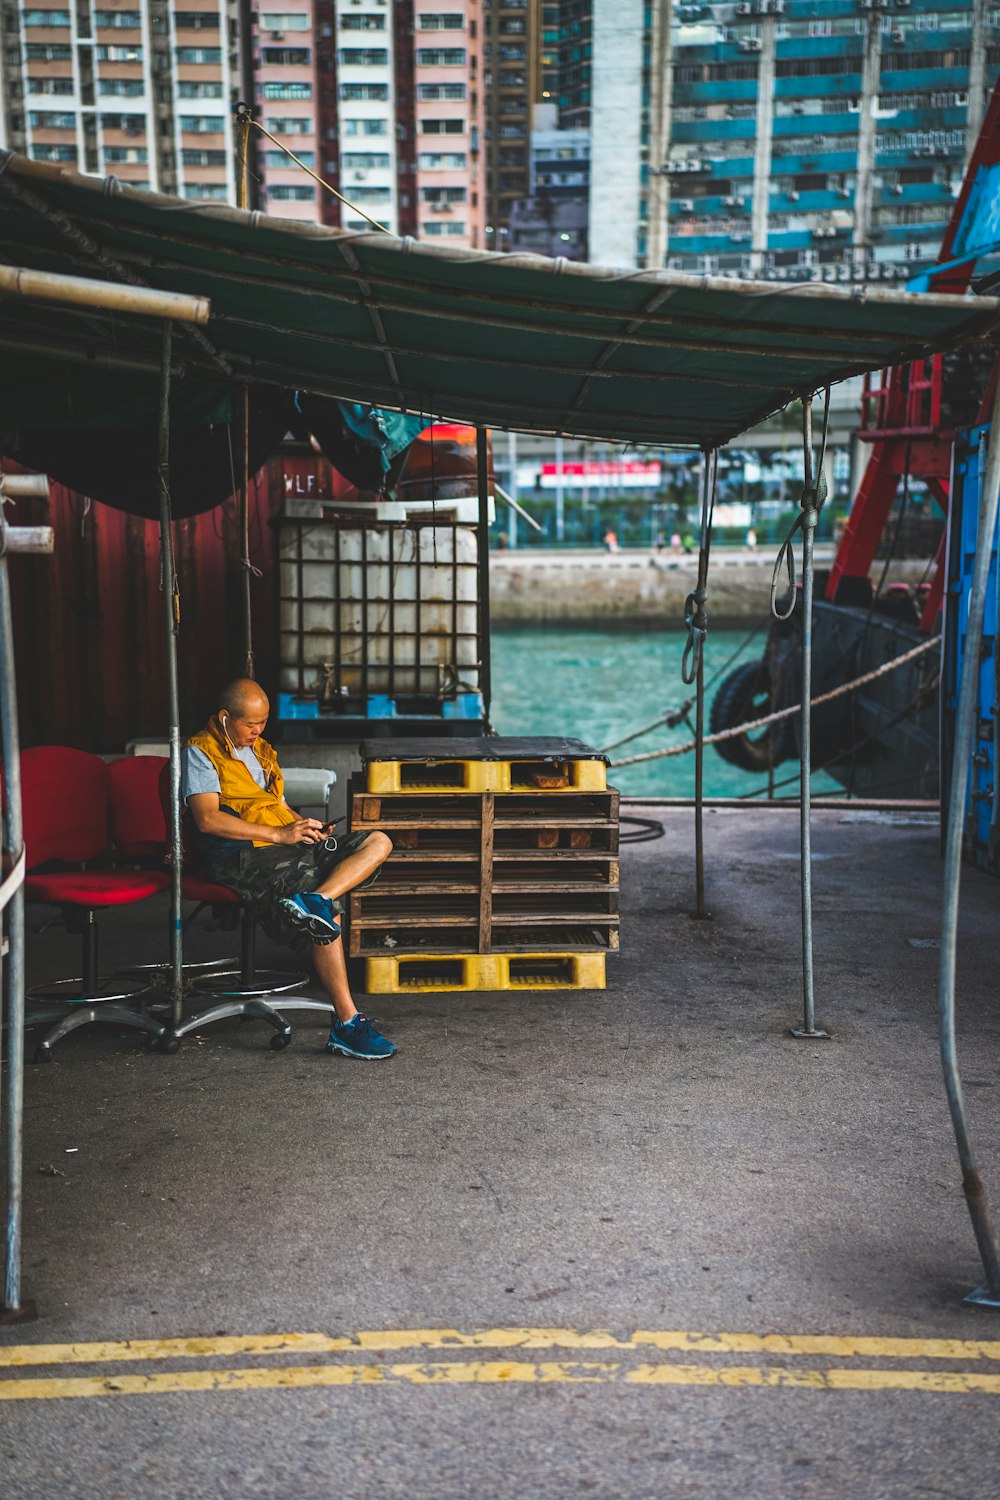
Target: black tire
{"points": [[169, 1044], [746, 694], [280, 1040], [42, 1055]]}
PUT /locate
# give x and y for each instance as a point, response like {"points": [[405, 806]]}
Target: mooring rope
{"points": [[784, 713]]}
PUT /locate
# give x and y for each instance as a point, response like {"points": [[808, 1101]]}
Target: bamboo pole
{"points": [[84, 291]]}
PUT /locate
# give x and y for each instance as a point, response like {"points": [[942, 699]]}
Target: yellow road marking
{"points": [[478, 1372], [824, 1345]]}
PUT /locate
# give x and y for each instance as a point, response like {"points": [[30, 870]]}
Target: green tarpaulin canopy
{"points": [[504, 340]]}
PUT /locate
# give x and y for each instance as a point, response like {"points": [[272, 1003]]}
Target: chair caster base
{"points": [[42, 1054], [280, 1040]]}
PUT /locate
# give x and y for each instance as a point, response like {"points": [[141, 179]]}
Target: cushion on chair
{"points": [[95, 888], [64, 797], [196, 889]]}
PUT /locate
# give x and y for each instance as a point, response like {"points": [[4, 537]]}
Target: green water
{"points": [[598, 685]]}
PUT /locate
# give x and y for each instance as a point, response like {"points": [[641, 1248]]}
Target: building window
{"points": [[197, 54], [123, 122], [216, 191], [364, 224], [51, 86], [49, 119], [366, 21], [430, 161], [285, 21], [440, 90], [444, 226], [296, 57], [362, 91], [358, 161], [366, 127], [188, 90], [129, 20], [123, 88], [443, 194], [287, 192], [450, 20], [441, 57], [281, 159], [192, 157], [45, 18], [53, 52], [364, 57], [203, 124], [124, 53], [54, 153], [442, 127], [291, 125], [288, 91], [116, 155], [369, 194], [196, 20]]}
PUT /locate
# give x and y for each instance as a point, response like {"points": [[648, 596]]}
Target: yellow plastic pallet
{"points": [[395, 776], [424, 973]]}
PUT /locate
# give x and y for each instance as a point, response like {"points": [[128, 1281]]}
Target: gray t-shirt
{"points": [[199, 775]]}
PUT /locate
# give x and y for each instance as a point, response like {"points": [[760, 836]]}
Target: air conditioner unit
{"points": [[844, 193], [359, 176], [862, 4], [744, 8], [792, 197], [686, 205], [897, 36], [277, 36], [754, 44], [961, 98], [897, 190], [798, 109], [731, 202]]}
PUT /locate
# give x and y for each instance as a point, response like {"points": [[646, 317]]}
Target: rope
{"points": [[813, 498], [353, 207], [785, 713], [695, 617]]}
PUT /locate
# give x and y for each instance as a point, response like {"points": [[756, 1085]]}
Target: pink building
{"points": [[449, 160]]}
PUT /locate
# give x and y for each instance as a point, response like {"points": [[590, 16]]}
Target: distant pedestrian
{"points": [[688, 542], [660, 542], [752, 539], [675, 541], [610, 541]]}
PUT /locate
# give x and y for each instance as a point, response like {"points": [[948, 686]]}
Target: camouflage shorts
{"points": [[260, 877]]}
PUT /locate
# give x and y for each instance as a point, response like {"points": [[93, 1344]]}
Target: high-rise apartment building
{"points": [[513, 81], [137, 91], [783, 138], [383, 99], [384, 102]]}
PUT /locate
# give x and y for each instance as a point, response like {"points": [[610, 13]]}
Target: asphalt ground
{"points": [[678, 1252]]}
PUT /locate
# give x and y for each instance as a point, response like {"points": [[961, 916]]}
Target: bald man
{"points": [[288, 870]]}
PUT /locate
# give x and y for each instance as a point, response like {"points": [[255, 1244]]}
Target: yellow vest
{"points": [[237, 789]]}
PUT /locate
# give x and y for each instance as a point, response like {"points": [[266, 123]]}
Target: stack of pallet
{"points": [[504, 870]]}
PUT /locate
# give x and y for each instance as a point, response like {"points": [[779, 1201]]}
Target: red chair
{"points": [[240, 990], [65, 799]]}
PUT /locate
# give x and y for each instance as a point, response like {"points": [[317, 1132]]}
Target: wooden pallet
{"points": [[490, 872], [425, 973], [465, 776]]}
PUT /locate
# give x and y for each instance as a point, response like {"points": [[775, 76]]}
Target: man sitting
{"points": [[289, 871]]}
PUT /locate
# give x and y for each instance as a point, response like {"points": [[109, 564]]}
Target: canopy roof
{"points": [[514, 341]]}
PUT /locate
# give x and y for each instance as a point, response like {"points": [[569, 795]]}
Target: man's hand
{"points": [[302, 831]]}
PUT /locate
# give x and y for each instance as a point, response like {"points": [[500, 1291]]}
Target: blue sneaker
{"points": [[359, 1038], [313, 914]]}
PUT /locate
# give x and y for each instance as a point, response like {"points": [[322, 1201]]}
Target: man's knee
{"points": [[379, 845]]}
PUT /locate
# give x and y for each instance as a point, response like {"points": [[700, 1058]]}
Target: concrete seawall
{"points": [[637, 588]]}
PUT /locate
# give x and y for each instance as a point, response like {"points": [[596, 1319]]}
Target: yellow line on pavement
{"points": [[498, 1372], [381, 1341]]}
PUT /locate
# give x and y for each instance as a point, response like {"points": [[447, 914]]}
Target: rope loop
{"points": [[786, 555], [696, 624]]}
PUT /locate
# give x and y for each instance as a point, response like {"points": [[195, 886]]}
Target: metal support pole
{"points": [[693, 668], [243, 122], [171, 602], [965, 723], [483, 479], [13, 841], [809, 517]]}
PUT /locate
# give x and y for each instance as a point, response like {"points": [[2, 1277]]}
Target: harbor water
{"points": [[600, 685]]}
